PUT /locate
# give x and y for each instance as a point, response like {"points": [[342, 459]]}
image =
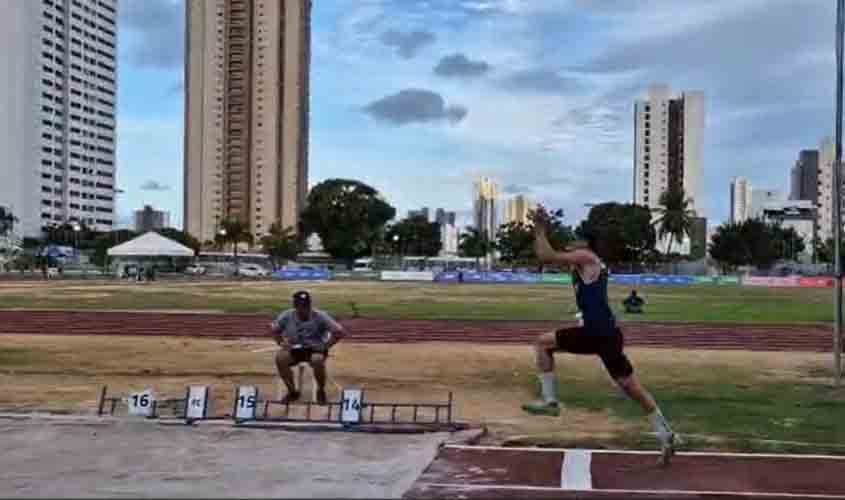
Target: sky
{"points": [[418, 98]]}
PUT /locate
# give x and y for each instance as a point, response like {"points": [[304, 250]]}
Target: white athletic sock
{"points": [[548, 383], [661, 426]]}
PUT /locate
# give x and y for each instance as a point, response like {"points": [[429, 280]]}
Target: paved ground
{"points": [[489, 472], [73, 459], [809, 338]]}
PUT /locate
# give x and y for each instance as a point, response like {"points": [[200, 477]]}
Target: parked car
{"points": [[252, 271], [196, 270]]}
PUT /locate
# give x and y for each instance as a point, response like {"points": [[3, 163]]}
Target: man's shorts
{"points": [[610, 348], [303, 355]]}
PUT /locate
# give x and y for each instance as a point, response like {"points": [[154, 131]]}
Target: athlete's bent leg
{"points": [[544, 348], [283, 361], [318, 365]]}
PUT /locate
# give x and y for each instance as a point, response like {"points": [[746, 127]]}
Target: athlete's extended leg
{"points": [[667, 437], [544, 348]]}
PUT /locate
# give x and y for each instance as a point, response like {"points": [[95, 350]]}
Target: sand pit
{"points": [[125, 458]]}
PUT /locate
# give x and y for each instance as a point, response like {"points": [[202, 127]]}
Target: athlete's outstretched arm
{"points": [[548, 255]]}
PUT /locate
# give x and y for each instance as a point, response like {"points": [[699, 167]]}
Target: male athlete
{"points": [[301, 333], [597, 333]]}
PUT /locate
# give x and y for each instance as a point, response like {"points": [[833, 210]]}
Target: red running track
{"points": [[808, 338], [490, 472]]}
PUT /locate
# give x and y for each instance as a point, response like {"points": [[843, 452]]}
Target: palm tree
{"points": [[475, 243], [281, 243], [675, 217], [234, 231]]}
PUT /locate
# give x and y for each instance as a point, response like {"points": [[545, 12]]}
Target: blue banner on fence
{"points": [[487, 277], [652, 279], [302, 274]]}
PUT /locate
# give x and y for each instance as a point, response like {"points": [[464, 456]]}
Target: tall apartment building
{"points": [[668, 141], [246, 113], [443, 217], [486, 220], [517, 209], [825, 194], [149, 219], [804, 177], [57, 112], [741, 195]]}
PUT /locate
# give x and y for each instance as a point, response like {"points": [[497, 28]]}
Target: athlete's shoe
{"points": [[668, 447], [542, 408], [290, 398]]}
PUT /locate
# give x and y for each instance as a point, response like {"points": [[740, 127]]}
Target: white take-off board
{"points": [[351, 403], [197, 403], [246, 401], [141, 403]]}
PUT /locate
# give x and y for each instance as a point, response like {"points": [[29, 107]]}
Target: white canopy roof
{"points": [[151, 245]]}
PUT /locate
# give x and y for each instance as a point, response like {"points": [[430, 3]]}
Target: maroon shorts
{"points": [[610, 348]]}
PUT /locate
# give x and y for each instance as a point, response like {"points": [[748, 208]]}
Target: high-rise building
{"points": [[57, 112], [668, 141], [486, 220], [150, 219], [246, 113], [443, 217], [740, 200], [763, 198], [449, 236], [518, 208], [423, 212], [805, 177], [825, 193]]}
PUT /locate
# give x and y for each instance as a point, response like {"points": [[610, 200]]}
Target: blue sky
{"points": [[419, 97]]}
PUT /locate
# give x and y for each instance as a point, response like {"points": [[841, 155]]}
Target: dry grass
{"points": [[488, 382]]}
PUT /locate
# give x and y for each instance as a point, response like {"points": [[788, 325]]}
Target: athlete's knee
{"points": [[546, 341], [318, 359], [283, 358]]}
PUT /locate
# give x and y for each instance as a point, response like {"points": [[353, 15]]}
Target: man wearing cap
{"points": [[304, 335]]}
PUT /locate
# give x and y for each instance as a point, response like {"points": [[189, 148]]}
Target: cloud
{"points": [[516, 189], [459, 66], [160, 27], [407, 44], [543, 81], [152, 185], [414, 106]]}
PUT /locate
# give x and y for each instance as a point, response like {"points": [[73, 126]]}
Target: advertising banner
{"points": [[407, 276], [302, 275]]}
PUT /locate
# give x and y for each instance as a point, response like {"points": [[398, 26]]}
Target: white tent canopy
{"points": [[150, 245]]}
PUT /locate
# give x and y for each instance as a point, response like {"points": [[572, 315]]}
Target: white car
{"points": [[252, 271], [195, 270]]}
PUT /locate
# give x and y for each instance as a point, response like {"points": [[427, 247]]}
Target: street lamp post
{"points": [[396, 251], [837, 191], [76, 229]]}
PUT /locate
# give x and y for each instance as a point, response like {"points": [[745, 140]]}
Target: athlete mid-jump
{"points": [[596, 334]]}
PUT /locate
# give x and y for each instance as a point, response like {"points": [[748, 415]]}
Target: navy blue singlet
{"points": [[593, 304]]}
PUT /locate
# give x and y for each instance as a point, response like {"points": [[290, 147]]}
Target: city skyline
{"points": [[580, 150]]}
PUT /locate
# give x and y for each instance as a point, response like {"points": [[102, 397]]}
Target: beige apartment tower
{"points": [[246, 113]]}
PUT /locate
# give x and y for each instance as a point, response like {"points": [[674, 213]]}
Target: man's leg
{"points": [[620, 369], [544, 348], [318, 365], [283, 361]]}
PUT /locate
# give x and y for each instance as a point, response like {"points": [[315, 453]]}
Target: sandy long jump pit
{"points": [[126, 458]]}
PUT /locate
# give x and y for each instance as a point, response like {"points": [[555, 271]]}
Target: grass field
{"points": [[427, 301], [725, 400]]}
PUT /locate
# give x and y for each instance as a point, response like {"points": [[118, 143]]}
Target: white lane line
{"points": [[657, 493], [643, 452], [575, 471]]}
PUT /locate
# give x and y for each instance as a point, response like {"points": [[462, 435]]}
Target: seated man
{"points": [[301, 333], [634, 303]]}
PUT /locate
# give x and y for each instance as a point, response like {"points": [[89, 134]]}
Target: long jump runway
{"points": [[492, 472]]}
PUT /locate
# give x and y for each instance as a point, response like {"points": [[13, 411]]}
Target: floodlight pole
{"points": [[837, 204]]}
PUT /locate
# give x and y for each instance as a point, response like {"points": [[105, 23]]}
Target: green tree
{"points": [[675, 217], [182, 237], [515, 242], [623, 232], [417, 236], [727, 248], [281, 244], [234, 231], [348, 215], [7, 221], [474, 243]]}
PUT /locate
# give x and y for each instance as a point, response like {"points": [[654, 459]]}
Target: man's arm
{"points": [[277, 329], [548, 255], [336, 330]]}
